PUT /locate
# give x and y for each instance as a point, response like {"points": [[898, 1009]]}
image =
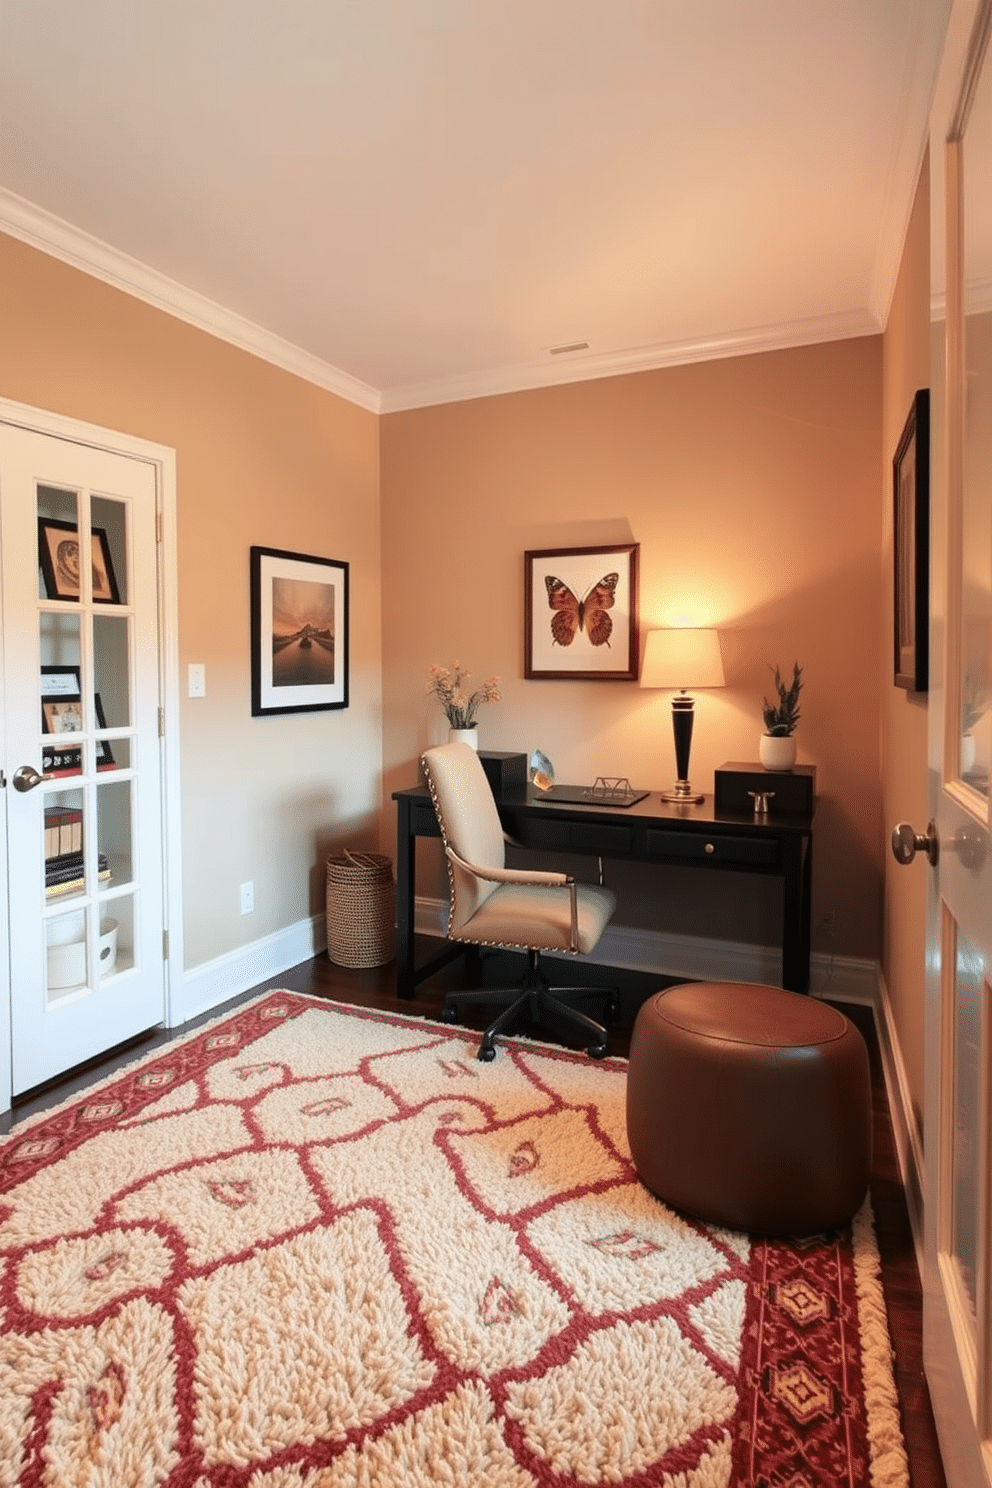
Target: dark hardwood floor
{"points": [[376, 988]]}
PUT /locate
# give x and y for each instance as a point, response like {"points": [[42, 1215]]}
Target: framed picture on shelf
{"points": [[299, 632], [911, 547], [58, 553], [580, 613], [61, 716]]}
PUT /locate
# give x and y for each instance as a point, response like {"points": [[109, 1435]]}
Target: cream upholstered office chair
{"points": [[493, 905]]}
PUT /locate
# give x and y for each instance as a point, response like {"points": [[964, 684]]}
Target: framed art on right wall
{"points": [[911, 547]]}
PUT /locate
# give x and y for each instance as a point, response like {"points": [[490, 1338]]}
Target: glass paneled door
{"points": [[82, 750], [957, 1304]]}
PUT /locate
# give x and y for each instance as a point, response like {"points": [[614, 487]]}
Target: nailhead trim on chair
{"points": [[513, 945]]}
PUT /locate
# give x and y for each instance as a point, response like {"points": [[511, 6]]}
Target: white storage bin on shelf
{"points": [[67, 961]]}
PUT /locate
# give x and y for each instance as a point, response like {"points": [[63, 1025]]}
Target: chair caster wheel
{"points": [[597, 1051], [487, 1053], [449, 1015]]}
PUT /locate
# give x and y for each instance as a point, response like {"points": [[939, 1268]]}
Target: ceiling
{"points": [[414, 201]]}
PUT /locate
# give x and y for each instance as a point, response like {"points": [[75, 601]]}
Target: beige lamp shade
{"points": [[682, 659]]}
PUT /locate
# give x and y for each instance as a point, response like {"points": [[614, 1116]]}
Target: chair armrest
{"points": [[513, 875]]}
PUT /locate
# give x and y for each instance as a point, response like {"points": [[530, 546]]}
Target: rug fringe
{"points": [[889, 1464]]}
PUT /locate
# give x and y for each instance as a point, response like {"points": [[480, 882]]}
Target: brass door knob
{"points": [[906, 843]]}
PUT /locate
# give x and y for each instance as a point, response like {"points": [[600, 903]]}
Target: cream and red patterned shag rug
{"points": [[311, 1246]]}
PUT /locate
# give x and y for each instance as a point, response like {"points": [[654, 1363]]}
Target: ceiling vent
{"points": [[568, 346]]}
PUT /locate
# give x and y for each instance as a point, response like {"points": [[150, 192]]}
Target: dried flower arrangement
{"points": [[448, 684]]}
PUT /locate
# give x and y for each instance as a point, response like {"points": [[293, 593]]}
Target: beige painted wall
{"points": [[751, 485], [906, 367], [262, 457]]}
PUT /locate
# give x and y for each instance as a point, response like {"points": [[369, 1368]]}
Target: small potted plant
{"points": [[459, 704], [777, 745]]}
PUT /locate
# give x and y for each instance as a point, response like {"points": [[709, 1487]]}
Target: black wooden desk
{"points": [[651, 831]]}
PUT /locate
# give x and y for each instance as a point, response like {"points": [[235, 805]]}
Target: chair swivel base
{"points": [[540, 1002]]}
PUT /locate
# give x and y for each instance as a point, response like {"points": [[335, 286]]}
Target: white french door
{"points": [[958, 1105], [84, 805]]}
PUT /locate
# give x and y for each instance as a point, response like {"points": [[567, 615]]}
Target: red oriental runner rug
{"points": [[311, 1246]]}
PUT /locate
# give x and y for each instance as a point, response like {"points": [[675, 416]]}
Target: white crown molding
{"points": [[50, 234], [585, 368]]}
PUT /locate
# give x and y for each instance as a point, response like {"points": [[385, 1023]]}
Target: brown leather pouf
{"points": [[750, 1107]]}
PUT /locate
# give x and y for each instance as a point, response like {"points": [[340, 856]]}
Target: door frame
{"points": [[163, 460]]}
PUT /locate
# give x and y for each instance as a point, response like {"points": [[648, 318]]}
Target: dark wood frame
{"points": [[69, 759], [911, 548], [572, 566], [267, 565], [55, 586]]}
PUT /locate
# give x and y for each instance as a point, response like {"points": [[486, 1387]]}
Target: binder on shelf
{"points": [[63, 830]]}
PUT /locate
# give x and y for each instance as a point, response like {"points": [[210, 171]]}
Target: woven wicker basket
{"points": [[361, 902]]}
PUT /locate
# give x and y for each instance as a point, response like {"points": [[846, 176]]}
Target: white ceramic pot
{"points": [[777, 752], [469, 736], [967, 753]]}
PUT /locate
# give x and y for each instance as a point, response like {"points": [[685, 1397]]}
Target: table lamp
{"points": [[682, 659]]}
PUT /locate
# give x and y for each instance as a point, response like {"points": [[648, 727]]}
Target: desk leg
{"points": [[406, 888], [796, 902]]}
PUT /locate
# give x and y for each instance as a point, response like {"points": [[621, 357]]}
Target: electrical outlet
{"points": [[827, 923], [248, 897], [197, 679]]}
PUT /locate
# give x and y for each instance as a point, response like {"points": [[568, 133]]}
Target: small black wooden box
{"points": [[506, 773], [795, 789]]}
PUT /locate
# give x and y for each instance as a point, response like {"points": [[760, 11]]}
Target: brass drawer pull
{"points": [[710, 848]]}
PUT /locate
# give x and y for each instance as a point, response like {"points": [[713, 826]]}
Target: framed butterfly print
{"points": [[299, 632], [580, 613]]}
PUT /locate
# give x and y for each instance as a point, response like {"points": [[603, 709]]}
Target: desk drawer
{"points": [[712, 848], [553, 835]]}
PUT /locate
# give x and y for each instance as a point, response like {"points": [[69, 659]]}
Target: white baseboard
{"points": [[909, 1144], [205, 987], [842, 977]]}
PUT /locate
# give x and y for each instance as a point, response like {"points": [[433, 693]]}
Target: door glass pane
{"points": [[110, 580], [976, 620], [111, 632], [58, 543], [965, 1175], [61, 713], [66, 956], [114, 830], [115, 952], [64, 828]]}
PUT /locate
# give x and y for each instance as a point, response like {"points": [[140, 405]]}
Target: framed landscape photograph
{"points": [[58, 553], [911, 547], [299, 632], [61, 716], [580, 613]]}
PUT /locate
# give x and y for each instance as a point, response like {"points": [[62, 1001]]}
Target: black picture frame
{"points": [[911, 548], [58, 554], [299, 632], [580, 613], [61, 701]]}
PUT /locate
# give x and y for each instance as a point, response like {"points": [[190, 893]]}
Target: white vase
{"points": [[777, 751], [967, 752], [469, 736]]}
